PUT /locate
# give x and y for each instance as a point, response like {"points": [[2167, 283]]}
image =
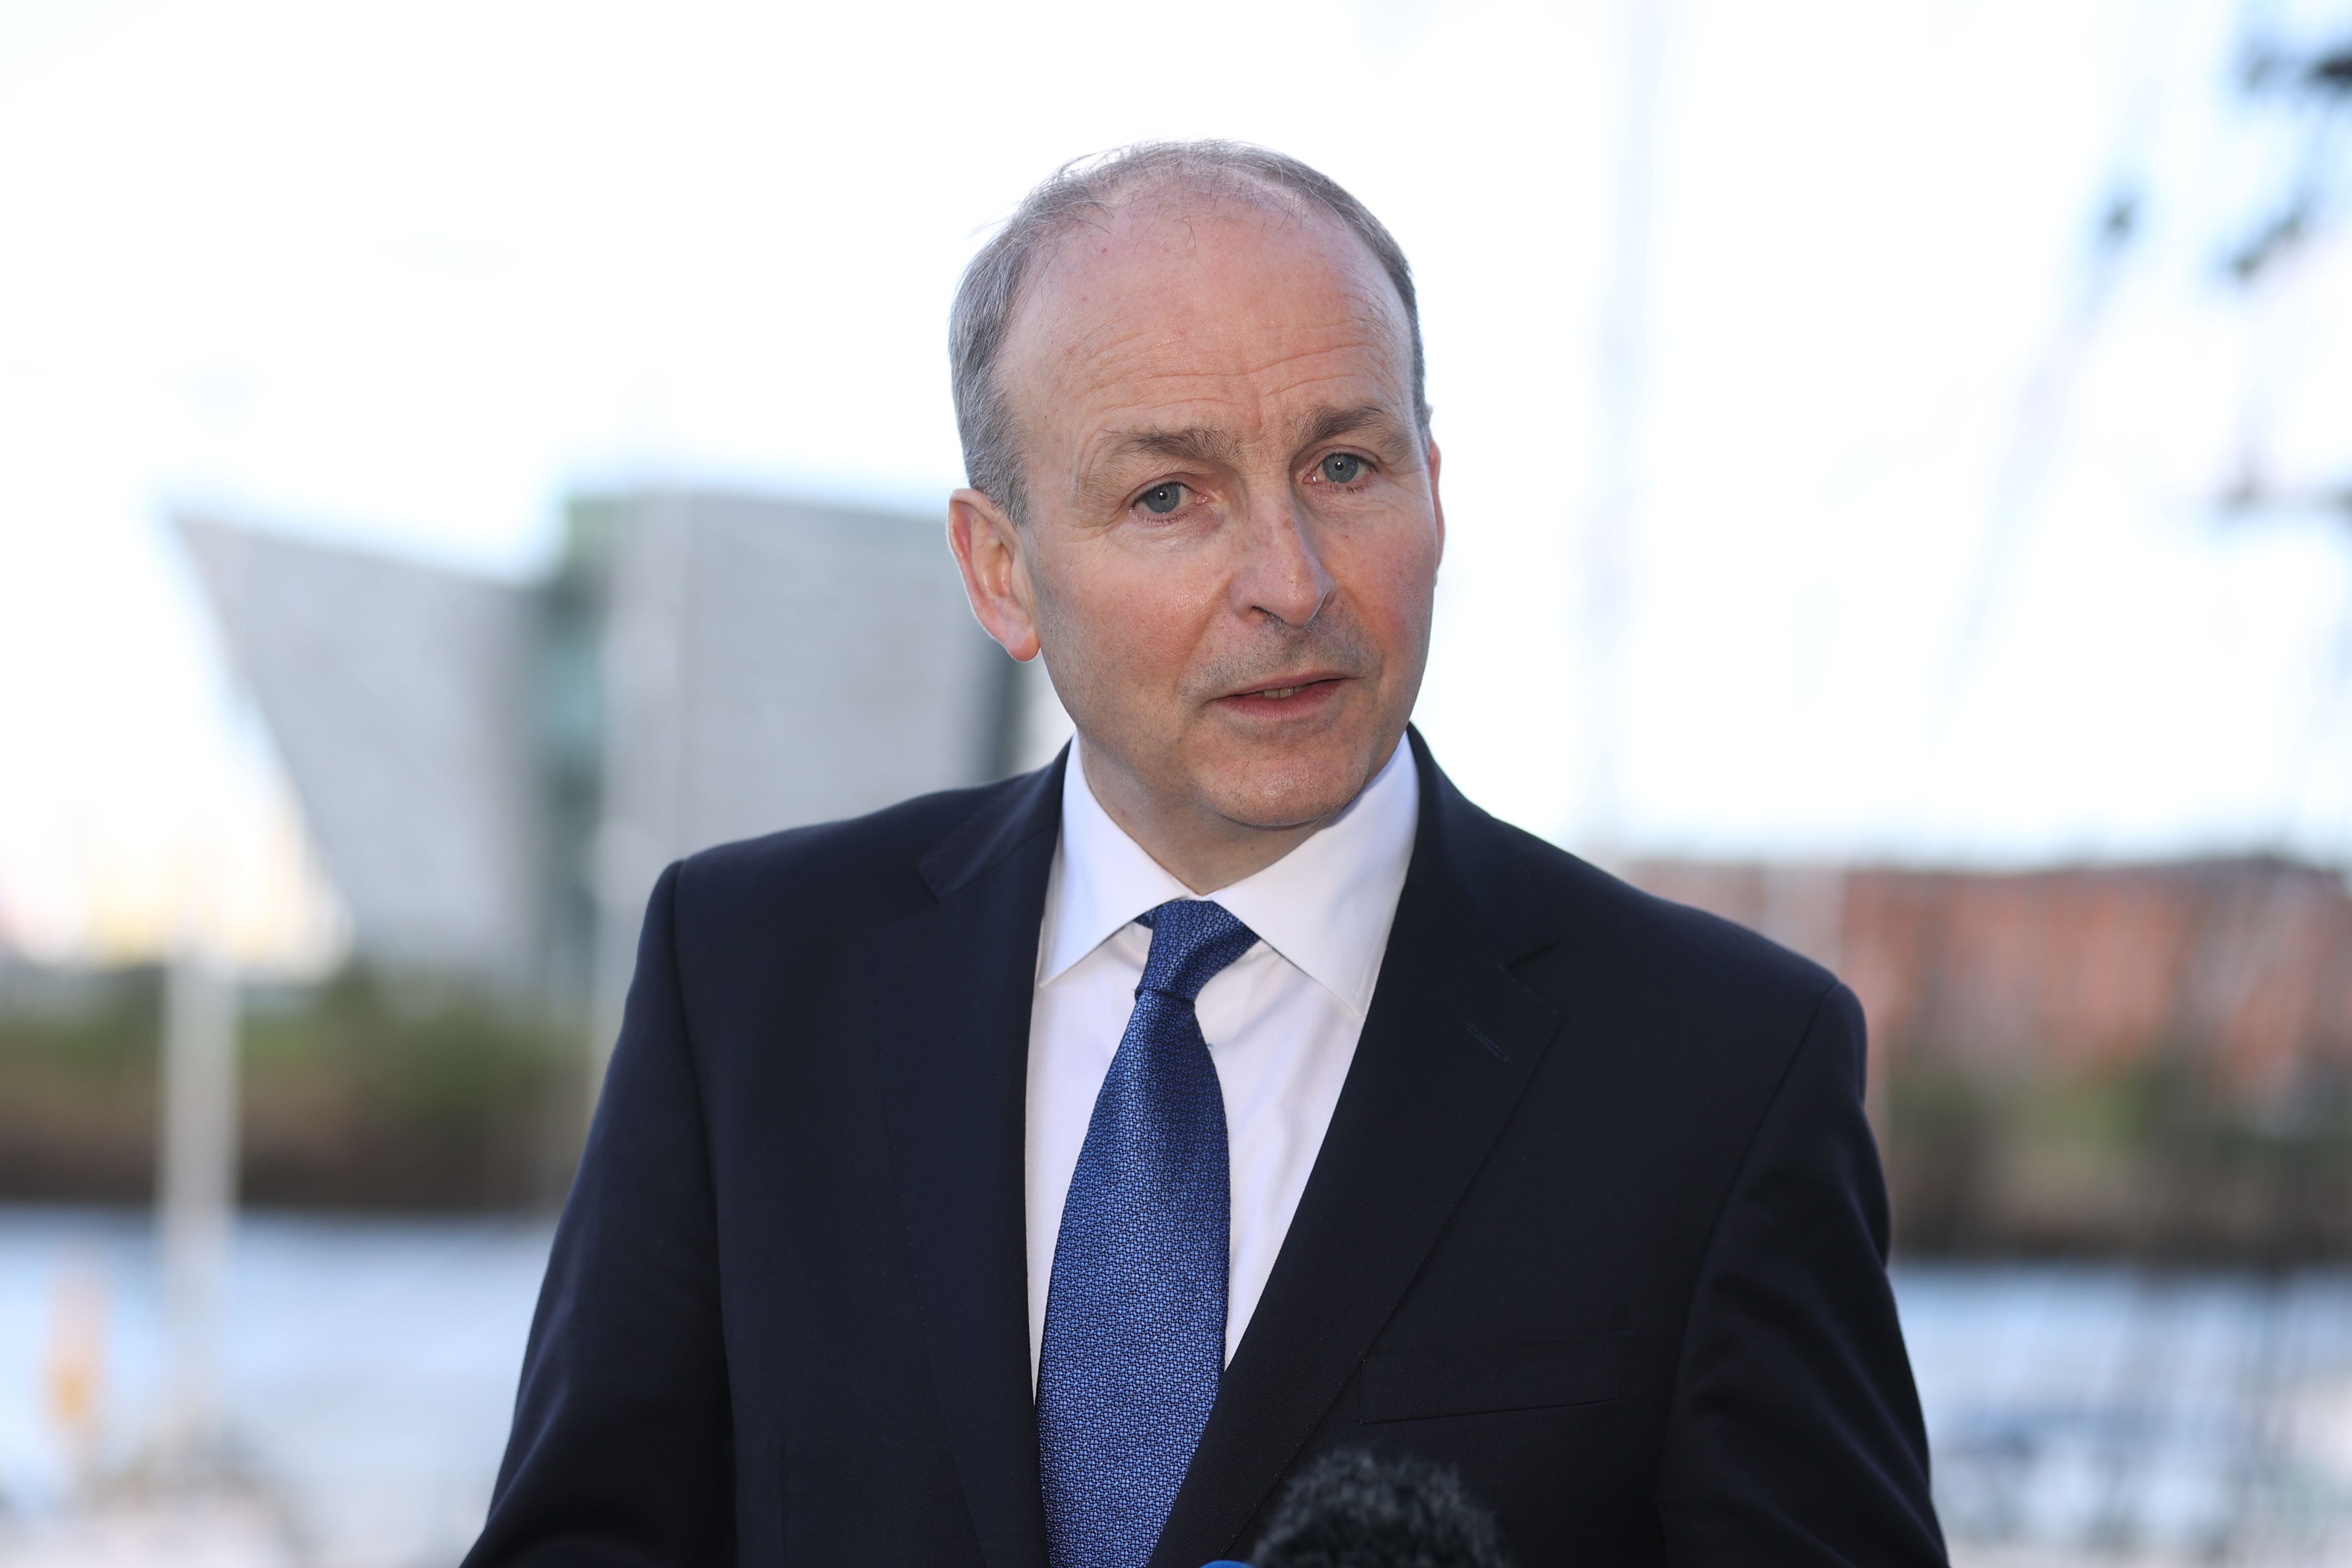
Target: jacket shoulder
{"points": [[1706, 1022], [871, 863], [1670, 944]]}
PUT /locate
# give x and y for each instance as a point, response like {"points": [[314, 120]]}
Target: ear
{"points": [[989, 552], [1437, 506]]}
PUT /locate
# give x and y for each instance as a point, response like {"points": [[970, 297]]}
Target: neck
{"points": [[1198, 847]]}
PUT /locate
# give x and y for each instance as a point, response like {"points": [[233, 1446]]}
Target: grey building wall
{"points": [[768, 663], [497, 775], [399, 699]]}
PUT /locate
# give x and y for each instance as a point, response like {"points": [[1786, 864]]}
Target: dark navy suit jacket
{"points": [[1597, 1223]]}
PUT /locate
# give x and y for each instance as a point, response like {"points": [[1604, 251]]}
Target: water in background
{"points": [[368, 1376], [2095, 1413], [2079, 1413]]}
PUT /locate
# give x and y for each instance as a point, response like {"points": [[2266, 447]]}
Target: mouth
{"points": [[1296, 694]]}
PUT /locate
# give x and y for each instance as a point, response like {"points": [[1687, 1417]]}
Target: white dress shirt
{"points": [[1281, 1021]]}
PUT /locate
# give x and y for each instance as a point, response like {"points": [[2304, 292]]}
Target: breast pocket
{"points": [[1408, 1386]]}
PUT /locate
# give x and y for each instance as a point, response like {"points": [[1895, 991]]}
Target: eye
{"points": [[1341, 467], [1162, 499]]}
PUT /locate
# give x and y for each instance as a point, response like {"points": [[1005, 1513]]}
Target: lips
{"points": [[1296, 693], [1291, 686]]}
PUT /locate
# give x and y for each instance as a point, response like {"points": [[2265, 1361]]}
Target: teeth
{"points": [[1278, 692]]}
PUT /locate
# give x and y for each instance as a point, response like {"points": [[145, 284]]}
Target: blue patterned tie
{"points": [[1135, 1320]]}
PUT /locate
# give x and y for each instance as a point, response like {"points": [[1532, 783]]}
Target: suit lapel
{"points": [[956, 982], [1450, 1042]]}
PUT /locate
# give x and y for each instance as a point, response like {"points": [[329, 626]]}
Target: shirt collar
{"points": [[1325, 906]]}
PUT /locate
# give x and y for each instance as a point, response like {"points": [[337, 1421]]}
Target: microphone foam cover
{"points": [[1354, 1510]]}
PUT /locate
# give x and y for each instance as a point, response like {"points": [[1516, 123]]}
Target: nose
{"points": [[1284, 576]]}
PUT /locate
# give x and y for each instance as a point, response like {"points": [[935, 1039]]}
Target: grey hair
{"points": [[1081, 191]]}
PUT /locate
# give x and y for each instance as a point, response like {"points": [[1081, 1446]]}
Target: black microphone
{"points": [[1355, 1509]]}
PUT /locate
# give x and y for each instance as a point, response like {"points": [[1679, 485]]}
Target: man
{"points": [[1041, 1174]]}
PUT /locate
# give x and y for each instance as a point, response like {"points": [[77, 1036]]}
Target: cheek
{"points": [[1393, 576], [1124, 634]]}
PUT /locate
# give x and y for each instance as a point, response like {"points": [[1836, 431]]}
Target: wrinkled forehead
{"points": [[1177, 280]]}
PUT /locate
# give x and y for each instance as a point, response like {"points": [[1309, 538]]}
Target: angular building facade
{"points": [[496, 774], [400, 698]]}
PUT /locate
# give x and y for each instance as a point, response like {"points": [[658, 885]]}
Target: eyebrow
{"points": [[1204, 443], [1326, 422], [1192, 443]]}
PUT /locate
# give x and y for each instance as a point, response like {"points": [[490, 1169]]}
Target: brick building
{"points": [[2243, 965]]}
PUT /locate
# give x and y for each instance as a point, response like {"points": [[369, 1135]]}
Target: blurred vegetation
{"points": [[361, 1093], [77, 1091], [2158, 1159], [368, 1091]]}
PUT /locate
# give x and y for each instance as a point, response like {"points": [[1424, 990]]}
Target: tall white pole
{"points": [[1620, 392], [195, 1204]]}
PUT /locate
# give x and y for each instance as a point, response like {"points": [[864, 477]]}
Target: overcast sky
{"points": [[1918, 554]]}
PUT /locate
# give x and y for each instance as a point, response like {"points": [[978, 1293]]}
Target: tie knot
{"points": [[1191, 940]]}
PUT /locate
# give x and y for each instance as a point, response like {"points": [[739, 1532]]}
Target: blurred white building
{"points": [[494, 775]]}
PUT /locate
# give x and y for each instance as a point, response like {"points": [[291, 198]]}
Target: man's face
{"points": [[1233, 531]]}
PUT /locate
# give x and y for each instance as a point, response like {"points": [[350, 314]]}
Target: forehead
{"points": [[1220, 304]]}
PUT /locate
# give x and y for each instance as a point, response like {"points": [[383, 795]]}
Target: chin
{"points": [[1291, 787]]}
